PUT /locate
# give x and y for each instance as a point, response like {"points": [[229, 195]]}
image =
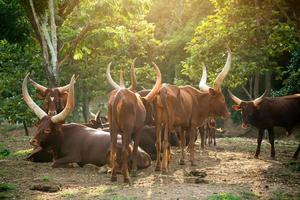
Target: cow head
{"points": [[149, 96], [50, 126], [247, 108], [216, 99], [54, 98]]}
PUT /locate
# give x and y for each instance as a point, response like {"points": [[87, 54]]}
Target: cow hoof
{"points": [[134, 173], [181, 162], [193, 164], [157, 169], [127, 180], [256, 156], [164, 171], [113, 179], [273, 158]]}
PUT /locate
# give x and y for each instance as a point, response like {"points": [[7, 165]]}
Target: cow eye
{"points": [[47, 130]]}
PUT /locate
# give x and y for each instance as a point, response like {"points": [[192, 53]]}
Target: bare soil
{"points": [[230, 168]]}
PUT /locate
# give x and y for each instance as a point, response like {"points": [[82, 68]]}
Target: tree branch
{"points": [[248, 94], [75, 42], [66, 8]]}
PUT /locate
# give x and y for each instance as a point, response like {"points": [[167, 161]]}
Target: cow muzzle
{"points": [[245, 126], [52, 113], [34, 142]]}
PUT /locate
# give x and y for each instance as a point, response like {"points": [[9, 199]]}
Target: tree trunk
{"points": [[25, 128], [256, 85], [268, 82], [85, 105]]}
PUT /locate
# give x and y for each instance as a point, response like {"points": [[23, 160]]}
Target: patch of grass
{"points": [[224, 196], [122, 198], [294, 166], [4, 187], [6, 127], [248, 195], [46, 178], [279, 195], [68, 194], [3, 151], [22, 153]]}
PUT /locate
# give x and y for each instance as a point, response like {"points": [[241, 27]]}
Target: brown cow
{"points": [[265, 113], [54, 98], [71, 143], [127, 115], [187, 108]]}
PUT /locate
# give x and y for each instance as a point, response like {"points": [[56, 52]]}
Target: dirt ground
{"points": [[230, 169]]}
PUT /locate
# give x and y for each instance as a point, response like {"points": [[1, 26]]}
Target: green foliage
{"points": [[14, 26], [15, 62]]}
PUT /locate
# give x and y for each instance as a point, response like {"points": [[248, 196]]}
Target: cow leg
{"points": [[182, 146], [193, 132], [214, 136], [61, 162], [202, 136], [135, 150], [158, 147], [125, 147], [165, 150], [259, 139], [271, 140], [296, 154], [113, 155]]}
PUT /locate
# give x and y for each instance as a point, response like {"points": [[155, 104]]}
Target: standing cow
{"points": [[265, 113], [187, 108], [127, 116]]}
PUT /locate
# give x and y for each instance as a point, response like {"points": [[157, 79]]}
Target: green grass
{"points": [[5, 189], [224, 196], [279, 195], [3, 151], [22, 153]]}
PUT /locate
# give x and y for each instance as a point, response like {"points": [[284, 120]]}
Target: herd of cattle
{"points": [[142, 125]]}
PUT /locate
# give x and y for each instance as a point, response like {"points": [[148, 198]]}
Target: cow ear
{"points": [[236, 107], [40, 95], [211, 91]]}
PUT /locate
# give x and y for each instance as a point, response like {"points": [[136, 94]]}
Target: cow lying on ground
{"points": [[73, 143], [265, 113]]}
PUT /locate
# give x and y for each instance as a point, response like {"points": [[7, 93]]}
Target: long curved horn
{"points": [[202, 83], [157, 85], [220, 78], [37, 86], [234, 98], [70, 104], [110, 80], [133, 77], [97, 116], [31, 104], [259, 99], [65, 88], [122, 84]]}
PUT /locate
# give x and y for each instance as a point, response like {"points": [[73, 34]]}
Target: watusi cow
{"points": [[211, 132], [73, 143], [127, 115], [267, 112], [187, 108]]}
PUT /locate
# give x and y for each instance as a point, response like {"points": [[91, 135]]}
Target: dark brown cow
{"points": [[73, 143], [187, 108], [127, 115], [264, 113]]}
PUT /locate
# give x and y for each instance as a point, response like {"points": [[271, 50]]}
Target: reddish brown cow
{"points": [[265, 113], [71, 143], [187, 108], [127, 115]]}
